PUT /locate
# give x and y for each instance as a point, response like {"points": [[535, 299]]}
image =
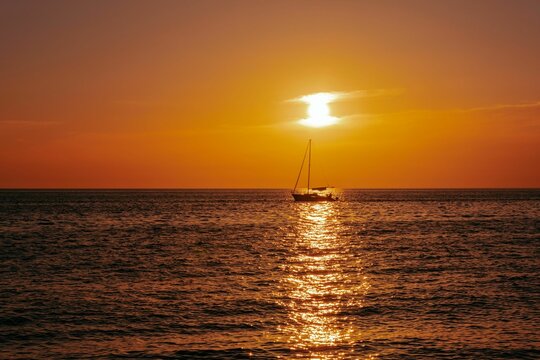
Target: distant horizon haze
{"points": [[269, 188]]}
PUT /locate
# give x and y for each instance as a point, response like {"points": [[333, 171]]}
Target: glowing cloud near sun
{"points": [[318, 104], [318, 110]]}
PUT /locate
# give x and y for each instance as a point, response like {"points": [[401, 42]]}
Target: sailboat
{"points": [[321, 193]]}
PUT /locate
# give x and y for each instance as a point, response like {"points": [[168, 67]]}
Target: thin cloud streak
{"points": [[458, 110], [29, 122], [355, 94], [502, 107]]}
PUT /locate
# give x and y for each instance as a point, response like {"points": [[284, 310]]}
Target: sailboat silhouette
{"points": [[321, 193]]}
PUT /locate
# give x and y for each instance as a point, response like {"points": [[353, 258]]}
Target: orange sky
{"points": [[167, 94]]}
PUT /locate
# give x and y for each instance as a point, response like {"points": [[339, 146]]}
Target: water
{"points": [[251, 274]]}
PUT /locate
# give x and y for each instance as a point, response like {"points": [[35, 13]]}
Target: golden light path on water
{"points": [[322, 280]]}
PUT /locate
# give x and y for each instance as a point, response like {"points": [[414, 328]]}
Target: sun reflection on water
{"points": [[322, 280]]}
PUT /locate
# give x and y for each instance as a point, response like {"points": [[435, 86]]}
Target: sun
{"points": [[318, 110]]}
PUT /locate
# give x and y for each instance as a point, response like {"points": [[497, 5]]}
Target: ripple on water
{"points": [[251, 274]]}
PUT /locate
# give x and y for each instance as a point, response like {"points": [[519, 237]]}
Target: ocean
{"points": [[240, 274]]}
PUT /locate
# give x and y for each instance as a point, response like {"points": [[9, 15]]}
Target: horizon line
{"points": [[247, 188]]}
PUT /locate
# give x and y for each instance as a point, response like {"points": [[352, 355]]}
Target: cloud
{"points": [[369, 93], [355, 94], [319, 112], [502, 107], [29, 122], [496, 107]]}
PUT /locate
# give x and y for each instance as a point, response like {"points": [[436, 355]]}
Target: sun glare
{"points": [[318, 110]]}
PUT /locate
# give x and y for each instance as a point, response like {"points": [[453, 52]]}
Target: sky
{"points": [[200, 94]]}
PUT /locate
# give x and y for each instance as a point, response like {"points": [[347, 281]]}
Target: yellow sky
{"points": [[196, 93]]}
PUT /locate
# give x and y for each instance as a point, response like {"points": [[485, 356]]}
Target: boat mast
{"points": [[309, 166], [301, 167]]}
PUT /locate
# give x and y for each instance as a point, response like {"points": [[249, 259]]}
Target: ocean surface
{"points": [[238, 274]]}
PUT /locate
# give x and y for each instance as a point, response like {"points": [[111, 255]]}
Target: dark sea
{"points": [[239, 274]]}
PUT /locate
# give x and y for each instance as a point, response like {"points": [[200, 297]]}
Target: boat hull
{"points": [[313, 197]]}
